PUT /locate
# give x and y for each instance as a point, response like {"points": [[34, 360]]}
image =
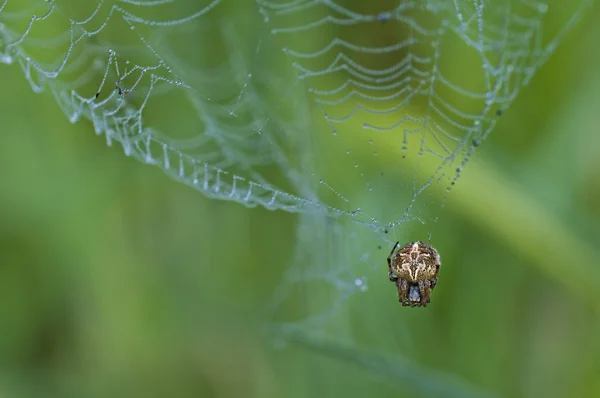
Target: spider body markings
{"points": [[414, 269]]}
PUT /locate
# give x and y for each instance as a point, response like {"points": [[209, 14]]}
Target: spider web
{"points": [[352, 114]]}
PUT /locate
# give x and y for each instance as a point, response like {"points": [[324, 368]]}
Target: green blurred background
{"points": [[116, 281]]}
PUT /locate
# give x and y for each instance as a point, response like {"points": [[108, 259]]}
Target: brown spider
{"points": [[414, 268]]}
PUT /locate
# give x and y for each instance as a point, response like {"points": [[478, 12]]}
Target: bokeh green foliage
{"points": [[117, 281]]}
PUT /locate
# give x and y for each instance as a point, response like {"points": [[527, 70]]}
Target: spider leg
{"points": [[425, 290], [403, 290], [391, 275], [389, 259], [433, 282]]}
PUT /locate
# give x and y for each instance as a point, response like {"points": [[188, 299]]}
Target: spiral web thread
{"points": [[236, 99]]}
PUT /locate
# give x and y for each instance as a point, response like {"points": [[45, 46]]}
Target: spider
{"points": [[414, 268]]}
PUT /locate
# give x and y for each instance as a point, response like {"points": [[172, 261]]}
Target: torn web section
{"points": [[328, 268]]}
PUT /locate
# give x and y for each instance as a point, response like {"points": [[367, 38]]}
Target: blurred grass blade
{"points": [[397, 370]]}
